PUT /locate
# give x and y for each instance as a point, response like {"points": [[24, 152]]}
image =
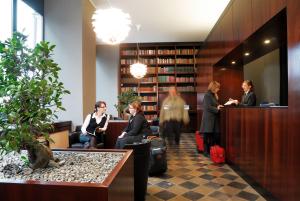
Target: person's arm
{"points": [[105, 125], [136, 125], [85, 124], [208, 104]]}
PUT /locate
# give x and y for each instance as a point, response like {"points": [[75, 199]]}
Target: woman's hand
{"points": [[220, 106]]}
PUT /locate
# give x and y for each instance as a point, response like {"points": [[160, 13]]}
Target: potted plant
{"points": [[30, 96], [124, 99]]}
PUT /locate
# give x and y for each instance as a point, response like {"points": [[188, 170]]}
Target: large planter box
{"points": [[118, 185]]}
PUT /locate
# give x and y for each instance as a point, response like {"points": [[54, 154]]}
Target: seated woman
{"points": [[138, 126], [94, 126], [249, 97]]}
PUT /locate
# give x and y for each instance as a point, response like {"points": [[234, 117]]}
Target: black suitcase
{"points": [[158, 156]]}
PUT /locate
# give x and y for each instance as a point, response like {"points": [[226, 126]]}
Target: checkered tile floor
{"points": [[191, 176]]}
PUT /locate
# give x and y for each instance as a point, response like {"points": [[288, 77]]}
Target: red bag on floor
{"points": [[217, 154], [199, 141]]}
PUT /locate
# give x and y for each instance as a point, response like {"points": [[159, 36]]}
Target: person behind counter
{"points": [[249, 97], [210, 124], [94, 126], [137, 128]]}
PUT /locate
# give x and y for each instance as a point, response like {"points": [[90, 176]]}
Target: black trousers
{"points": [[172, 131], [121, 142], [210, 139]]}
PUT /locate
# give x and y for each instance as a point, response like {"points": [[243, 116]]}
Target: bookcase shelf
{"points": [[169, 64]]}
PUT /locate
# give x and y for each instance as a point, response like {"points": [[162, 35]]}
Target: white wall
{"points": [[265, 74], [63, 27], [107, 71]]}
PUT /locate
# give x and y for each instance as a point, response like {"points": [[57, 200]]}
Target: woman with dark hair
{"points": [[210, 124], [138, 126], [249, 97], [94, 126]]}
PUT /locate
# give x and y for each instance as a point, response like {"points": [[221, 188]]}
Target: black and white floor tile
{"points": [[191, 176]]}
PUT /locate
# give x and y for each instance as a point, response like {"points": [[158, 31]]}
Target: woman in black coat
{"points": [[210, 125], [137, 128]]}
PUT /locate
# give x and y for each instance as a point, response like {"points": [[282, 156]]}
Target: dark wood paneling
{"points": [[260, 13], [231, 81], [293, 176], [242, 23], [256, 142], [281, 144], [276, 6], [114, 129]]}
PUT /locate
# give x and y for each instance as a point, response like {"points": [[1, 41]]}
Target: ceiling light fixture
{"points": [[267, 41], [111, 25], [247, 54], [233, 62], [138, 70]]}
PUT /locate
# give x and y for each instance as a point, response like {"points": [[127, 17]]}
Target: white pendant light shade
{"points": [[138, 70], [111, 25]]}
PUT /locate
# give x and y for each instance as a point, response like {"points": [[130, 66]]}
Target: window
{"points": [[30, 23], [5, 19]]}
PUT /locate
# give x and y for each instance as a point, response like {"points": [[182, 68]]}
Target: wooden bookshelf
{"points": [[168, 64]]}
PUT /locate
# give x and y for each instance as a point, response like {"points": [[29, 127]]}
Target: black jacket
{"points": [[249, 99], [210, 118], [138, 125]]}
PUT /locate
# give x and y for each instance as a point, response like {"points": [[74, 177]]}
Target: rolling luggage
{"points": [[158, 156], [199, 141], [217, 154]]}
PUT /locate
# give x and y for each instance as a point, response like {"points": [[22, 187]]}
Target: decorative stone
{"points": [[92, 167]]}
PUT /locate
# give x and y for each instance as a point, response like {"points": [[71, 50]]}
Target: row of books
{"points": [[129, 80], [166, 69], [148, 89], [134, 52], [186, 88], [184, 69], [185, 51], [149, 98], [142, 60], [165, 60], [166, 78], [149, 107], [150, 70], [149, 79], [124, 89], [185, 79], [166, 51], [148, 61], [159, 52], [184, 61]]}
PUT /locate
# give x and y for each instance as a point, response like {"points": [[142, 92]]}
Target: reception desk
{"points": [[255, 141]]}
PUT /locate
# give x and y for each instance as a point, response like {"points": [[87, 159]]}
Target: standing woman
{"points": [[94, 126], [137, 128], [210, 125]]}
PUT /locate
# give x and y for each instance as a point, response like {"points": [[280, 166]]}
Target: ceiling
{"points": [[168, 20]]}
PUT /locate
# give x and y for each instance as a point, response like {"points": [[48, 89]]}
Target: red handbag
{"points": [[199, 141], [217, 154]]}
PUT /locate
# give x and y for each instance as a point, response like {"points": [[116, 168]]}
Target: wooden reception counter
{"points": [[255, 141]]}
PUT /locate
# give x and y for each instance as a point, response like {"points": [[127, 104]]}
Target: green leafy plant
{"points": [[125, 98], [30, 96]]}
